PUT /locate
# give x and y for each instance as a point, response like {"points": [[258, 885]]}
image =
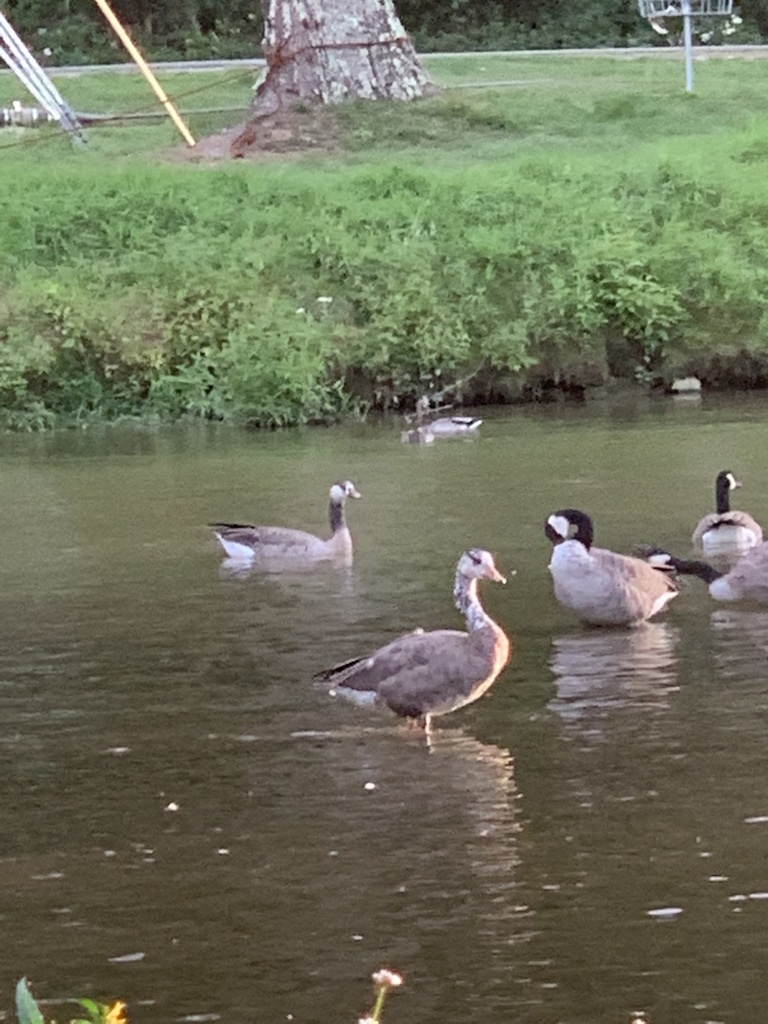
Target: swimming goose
{"points": [[746, 581], [445, 426], [603, 588], [726, 531], [424, 674], [242, 541]]}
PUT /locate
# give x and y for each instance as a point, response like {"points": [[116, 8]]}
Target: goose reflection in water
{"points": [[598, 671], [447, 825]]}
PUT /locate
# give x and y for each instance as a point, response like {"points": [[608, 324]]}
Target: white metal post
{"points": [[18, 58], [688, 39]]}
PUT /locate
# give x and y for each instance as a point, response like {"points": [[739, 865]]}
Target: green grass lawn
{"points": [[570, 106]]}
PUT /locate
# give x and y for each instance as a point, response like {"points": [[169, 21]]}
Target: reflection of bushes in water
{"points": [[177, 293]]}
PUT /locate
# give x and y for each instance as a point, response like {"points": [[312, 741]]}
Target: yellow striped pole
{"points": [[146, 70]]}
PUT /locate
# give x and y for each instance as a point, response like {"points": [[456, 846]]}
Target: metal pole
{"points": [[28, 71], [145, 69], [688, 38]]}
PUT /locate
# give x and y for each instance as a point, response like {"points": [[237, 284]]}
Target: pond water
{"points": [[188, 822]]}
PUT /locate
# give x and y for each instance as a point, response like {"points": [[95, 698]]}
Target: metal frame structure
{"points": [[660, 10], [18, 58]]}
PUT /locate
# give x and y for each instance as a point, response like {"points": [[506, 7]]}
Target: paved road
{"points": [[747, 51]]}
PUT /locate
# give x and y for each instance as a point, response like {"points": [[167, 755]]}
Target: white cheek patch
{"points": [[338, 494], [660, 561], [560, 525], [732, 481]]}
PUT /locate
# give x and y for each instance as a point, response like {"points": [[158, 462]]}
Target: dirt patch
{"points": [[296, 131]]}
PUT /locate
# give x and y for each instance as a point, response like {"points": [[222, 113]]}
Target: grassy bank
{"points": [[587, 224]]}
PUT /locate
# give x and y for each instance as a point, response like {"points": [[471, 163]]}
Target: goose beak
{"points": [[495, 575], [354, 493], [736, 483]]}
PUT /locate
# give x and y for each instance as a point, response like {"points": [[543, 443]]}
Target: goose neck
{"points": [[336, 516], [468, 602], [694, 567], [723, 496]]}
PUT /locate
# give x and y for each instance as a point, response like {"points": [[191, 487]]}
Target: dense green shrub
{"points": [[288, 296]]}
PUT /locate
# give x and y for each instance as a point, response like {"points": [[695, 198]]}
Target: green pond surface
{"points": [[189, 822]]}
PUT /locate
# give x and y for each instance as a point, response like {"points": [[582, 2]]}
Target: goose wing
{"points": [[636, 572], [641, 589], [410, 652], [419, 673], [275, 539]]}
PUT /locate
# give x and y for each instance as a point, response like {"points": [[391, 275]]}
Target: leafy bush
{"points": [[271, 370], [176, 292]]}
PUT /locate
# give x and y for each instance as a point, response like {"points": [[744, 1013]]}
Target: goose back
{"points": [[438, 671], [452, 426]]}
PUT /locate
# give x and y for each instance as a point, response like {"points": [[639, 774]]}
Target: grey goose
{"points": [[420, 675], [278, 543]]}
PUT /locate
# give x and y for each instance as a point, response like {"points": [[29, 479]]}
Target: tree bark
{"points": [[328, 51]]}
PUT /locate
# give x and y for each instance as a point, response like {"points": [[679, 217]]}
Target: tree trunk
{"points": [[327, 51]]}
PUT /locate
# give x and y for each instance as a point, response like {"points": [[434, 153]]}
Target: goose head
{"points": [[659, 559], [570, 524], [478, 564], [341, 491]]}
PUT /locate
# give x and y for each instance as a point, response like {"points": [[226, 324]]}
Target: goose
{"points": [[420, 674], [445, 426], [746, 581], [603, 588], [726, 531], [241, 541]]}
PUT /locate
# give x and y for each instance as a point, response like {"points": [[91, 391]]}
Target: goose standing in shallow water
{"points": [[746, 581], [726, 531], [277, 543], [603, 588], [424, 674], [444, 426]]}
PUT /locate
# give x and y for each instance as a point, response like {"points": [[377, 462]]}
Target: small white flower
{"points": [[728, 30], [388, 978], [325, 299], [301, 310], [172, 807], [47, 51], [705, 37], [736, 20]]}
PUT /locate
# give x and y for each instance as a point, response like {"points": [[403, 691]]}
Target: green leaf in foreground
{"points": [[27, 1009]]}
